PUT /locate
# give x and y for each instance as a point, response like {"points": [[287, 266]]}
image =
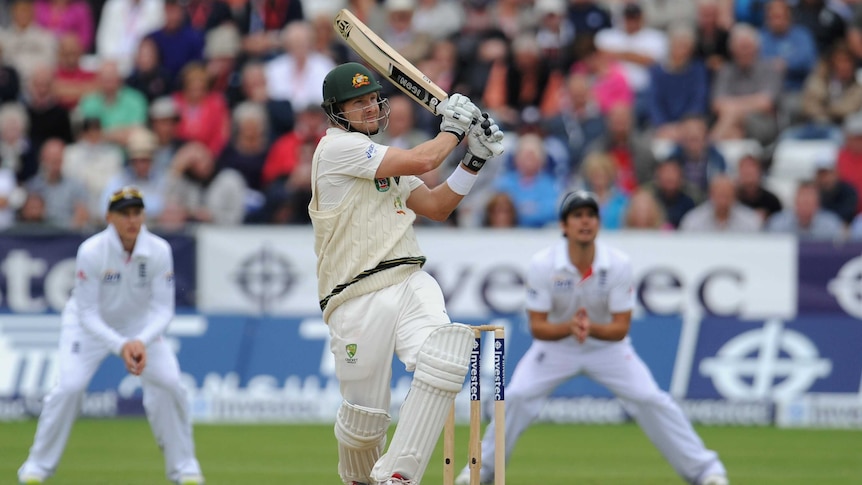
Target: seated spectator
{"points": [[700, 159], [179, 43], [140, 173], [261, 22], [745, 91], [247, 150], [47, 118], [610, 87], [836, 195], [198, 191], [131, 22], [826, 24], [555, 33], [63, 17], [26, 44], [679, 86], [71, 82], [329, 44], [500, 212], [721, 212], [674, 194], [204, 116], [398, 31], [121, 109], [806, 219], [664, 14], [831, 91], [32, 214], [17, 152], [401, 131], [645, 212], [750, 190], [533, 190], [8, 188], [631, 151], [253, 88], [600, 177], [10, 82], [578, 122], [788, 46], [93, 161], [297, 75], [164, 120], [148, 76], [712, 36], [588, 17], [65, 198], [849, 163], [221, 51]]}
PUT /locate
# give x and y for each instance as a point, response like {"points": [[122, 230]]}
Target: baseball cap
{"points": [[127, 196], [576, 200]]}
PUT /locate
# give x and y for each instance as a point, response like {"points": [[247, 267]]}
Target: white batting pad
{"points": [[361, 435], [440, 369]]}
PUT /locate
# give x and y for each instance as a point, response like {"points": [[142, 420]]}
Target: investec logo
{"points": [[28, 354]]}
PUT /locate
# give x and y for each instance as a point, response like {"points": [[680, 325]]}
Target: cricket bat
{"points": [[388, 62]]}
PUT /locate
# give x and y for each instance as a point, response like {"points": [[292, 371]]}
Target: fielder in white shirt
{"points": [[122, 303], [579, 303]]}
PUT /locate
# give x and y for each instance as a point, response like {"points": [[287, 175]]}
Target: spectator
{"points": [[699, 157], [17, 152], [8, 194], [750, 190], [32, 214], [721, 212], [164, 119], [500, 212], [663, 14], [122, 25], [631, 151], [140, 173], [93, 161], [25, 44], [47, 118], [637, 47], [399, 33], [751, 12], [533, 190], [600, 177], [679, 86], [326, 42], [177, 41], [205, 15], [712, 37], [65, 198], [438, 19], [645, 212], [297, 75], [204, 115], [806, 219], [71, 82], [554, 33], [260, 24], [441, 67], [607, 78], [10, 82], [579, 121], [62, 17], [790, 47], [850, 154], [831, 92], [402, 132], [198, 191], [588, 17], [220, 53], [119, 108], [246, 152], [825, 23], [148, 76], [675, 196], [524, 85], [512, 17], [253, 87], [746, 91], [836, 195]]}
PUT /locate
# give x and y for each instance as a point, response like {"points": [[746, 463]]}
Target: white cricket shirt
{"points": [[120, 296]]}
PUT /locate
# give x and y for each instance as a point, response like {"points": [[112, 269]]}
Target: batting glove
{"points": [[458, 114], [484, 141]]}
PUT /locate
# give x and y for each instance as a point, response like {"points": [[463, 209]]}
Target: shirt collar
{"points": [[562, 262], [141, 248]]}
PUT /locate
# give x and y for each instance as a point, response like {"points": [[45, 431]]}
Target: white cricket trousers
{"points": [[164, 398], [615, 365]]}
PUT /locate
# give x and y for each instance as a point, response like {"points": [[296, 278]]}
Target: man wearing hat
{"points": [[122, 303]]}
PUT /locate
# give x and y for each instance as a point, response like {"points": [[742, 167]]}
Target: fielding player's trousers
{"points": [[165, 403]]}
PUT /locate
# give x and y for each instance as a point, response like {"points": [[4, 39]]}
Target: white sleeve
{"points": [[87, 281], [538, 286], [162, 303], [354, 155], [621, 297]]}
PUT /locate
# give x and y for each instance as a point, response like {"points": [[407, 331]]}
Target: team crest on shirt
{"points": [[563, 283], [360, 80], [382, 184], [351, 353], [603, 277], [111, 277]]}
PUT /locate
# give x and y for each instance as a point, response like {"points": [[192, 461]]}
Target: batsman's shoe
{"points": [[463, 478], [191, 480], [31, 479], [714, 480]]}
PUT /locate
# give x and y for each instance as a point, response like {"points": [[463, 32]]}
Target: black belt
{"points": [[420, 260]]}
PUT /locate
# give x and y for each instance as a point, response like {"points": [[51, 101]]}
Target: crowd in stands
{"points": [[688, 115]]}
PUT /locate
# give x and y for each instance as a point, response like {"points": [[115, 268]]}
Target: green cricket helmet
{"points": [[347, 81]]}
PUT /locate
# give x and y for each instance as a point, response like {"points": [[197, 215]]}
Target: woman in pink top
{"points": [[66, 16], [204, 116], [609, 84]]}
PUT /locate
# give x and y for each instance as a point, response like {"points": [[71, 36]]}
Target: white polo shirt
{"points": [[556, 287], [120, 296]]}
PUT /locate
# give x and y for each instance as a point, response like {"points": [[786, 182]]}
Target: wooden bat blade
{"points": [[387, 61]]}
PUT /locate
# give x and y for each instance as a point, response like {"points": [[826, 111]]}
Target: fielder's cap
{"points": [[632, 10], [128, 196], [853, 124], [576, 200]]}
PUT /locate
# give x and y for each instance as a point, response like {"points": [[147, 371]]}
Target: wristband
{"points": [[473, 162], [459, 136], [461, 181]]}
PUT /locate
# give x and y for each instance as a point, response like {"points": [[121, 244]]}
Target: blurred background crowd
{"points": [[691, 115]]}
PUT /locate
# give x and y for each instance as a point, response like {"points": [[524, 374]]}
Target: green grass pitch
{"points": [[123, 451]]}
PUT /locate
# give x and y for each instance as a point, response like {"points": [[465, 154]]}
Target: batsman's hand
{"points": [[134, 355], [484, 141], [459, 113]]}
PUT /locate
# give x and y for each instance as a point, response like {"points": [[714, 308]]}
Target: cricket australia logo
{"points": [[351, 353], [360, 80], [382, 184]]}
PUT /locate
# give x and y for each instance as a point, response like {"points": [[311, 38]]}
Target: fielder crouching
{"points": [[122, 303]]}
